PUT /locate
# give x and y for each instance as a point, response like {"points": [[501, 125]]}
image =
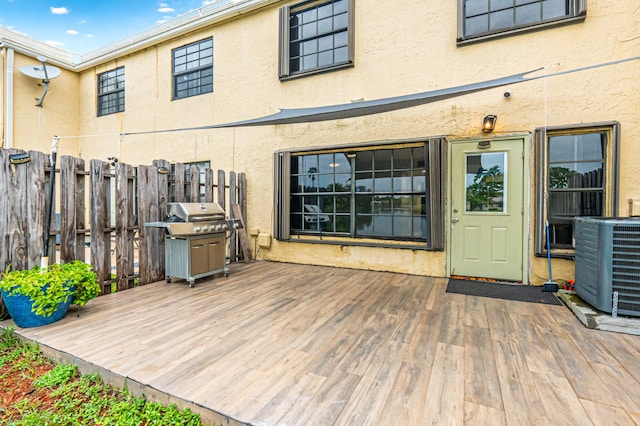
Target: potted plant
{"points": [[38, 296]]}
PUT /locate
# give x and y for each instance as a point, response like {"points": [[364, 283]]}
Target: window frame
{"points": [[578, 14], [434, 190], [611, 183], [175, 75], [284, 68], [120, 92]]}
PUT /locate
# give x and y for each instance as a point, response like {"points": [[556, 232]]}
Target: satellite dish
{"points": [[38, 72], [44, 73]]}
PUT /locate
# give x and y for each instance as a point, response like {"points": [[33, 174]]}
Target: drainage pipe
{"points": [[8, 90]]}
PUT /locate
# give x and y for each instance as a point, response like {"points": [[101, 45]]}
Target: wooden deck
{"points": [[283, 344]]}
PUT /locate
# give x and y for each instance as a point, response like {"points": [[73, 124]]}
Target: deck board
{"points": [[285, 344]]}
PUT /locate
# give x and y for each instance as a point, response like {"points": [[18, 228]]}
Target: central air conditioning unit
{"points": [[608, 261]]}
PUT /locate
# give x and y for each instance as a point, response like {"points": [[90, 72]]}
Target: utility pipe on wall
{"points": [[8, 90]]}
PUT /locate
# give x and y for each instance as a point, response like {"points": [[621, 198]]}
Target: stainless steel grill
{"points": [[195, 245]]}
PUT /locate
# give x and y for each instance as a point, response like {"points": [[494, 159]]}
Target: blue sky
{"points": [[81, 26]]}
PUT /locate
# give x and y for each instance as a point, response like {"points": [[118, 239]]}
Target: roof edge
{"points": [[192, 21], [33, 48]]}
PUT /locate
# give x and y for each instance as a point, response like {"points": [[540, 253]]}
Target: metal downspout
{"points": [[8, 115]]}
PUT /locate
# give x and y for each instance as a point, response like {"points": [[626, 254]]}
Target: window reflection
{"points": [[370, 193], [485, 184]]}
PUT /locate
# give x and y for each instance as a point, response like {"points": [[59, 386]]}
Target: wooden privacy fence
{"points": [[115, 200]]}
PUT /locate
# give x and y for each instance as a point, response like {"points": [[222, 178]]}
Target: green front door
{"points": [[486, 209]]}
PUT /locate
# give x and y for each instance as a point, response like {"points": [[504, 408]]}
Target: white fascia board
{"points": [[33, 48]]}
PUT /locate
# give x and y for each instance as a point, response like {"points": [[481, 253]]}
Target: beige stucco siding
{"points": [[33, 126], [409, 49]]}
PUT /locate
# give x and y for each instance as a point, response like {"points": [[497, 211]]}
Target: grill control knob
{"points": [[196, 229], [205, 228]]}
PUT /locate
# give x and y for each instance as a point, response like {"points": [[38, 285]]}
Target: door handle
{"points": [[455, 220]]}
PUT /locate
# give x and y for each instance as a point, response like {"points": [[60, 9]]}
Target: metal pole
{"points": [[44, 262]]}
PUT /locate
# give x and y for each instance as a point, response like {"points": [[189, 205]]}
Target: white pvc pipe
{"points": [[8, 115]]}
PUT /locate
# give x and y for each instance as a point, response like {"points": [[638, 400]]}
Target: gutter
{"points": [[34, 48]]}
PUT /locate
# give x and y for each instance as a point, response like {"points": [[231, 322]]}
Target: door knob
{"points": [[455, 220]]}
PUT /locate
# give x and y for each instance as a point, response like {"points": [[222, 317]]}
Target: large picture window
{"points": [[483, 18], [316, 36], [576, 177], [193, 69], [381, 192], [111, 92]]}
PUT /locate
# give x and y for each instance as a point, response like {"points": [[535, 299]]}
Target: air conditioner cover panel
{"points": [[608, 260]]}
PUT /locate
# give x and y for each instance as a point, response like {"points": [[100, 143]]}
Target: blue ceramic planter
{"points": [[19, 308]]}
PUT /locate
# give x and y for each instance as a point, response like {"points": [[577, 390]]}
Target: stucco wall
{"points": [[406, 50], [35, 126]]}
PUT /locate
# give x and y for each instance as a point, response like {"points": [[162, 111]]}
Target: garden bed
{"points": [[34, 390]]}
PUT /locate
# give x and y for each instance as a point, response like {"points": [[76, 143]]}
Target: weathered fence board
{"points": [[221, 189], [38, 199], [208, 186], [17, 220], [125, 225], [149, 211], [179, 179], [72, 207], [140, 195], [100, 226], [233, 243]]}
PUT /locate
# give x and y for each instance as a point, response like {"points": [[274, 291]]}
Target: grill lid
{"points": [[193, 212]]}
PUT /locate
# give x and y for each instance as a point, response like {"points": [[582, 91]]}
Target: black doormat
{"points": [[521, 293]]}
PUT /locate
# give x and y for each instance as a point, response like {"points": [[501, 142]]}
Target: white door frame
{"points": [[526, 193]]}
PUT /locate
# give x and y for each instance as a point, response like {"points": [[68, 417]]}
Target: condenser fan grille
{"points": [[626, 267], [608, 261]]}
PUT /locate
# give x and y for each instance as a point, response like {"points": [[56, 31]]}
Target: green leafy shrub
{"points": [[51, 286]]}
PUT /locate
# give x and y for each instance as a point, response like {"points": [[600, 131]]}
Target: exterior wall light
{"points": [[489, 123], [20, 158]]}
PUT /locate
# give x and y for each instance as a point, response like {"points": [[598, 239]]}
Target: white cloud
{"points": [[164, 8], [72, 32], [59, 10], [89, 35], [160, 21], [84, 21]]}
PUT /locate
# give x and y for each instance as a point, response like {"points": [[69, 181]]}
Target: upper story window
{"points": [[193, 69], [316, 36], [490, 18], [577, 176], [111, 92]]}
